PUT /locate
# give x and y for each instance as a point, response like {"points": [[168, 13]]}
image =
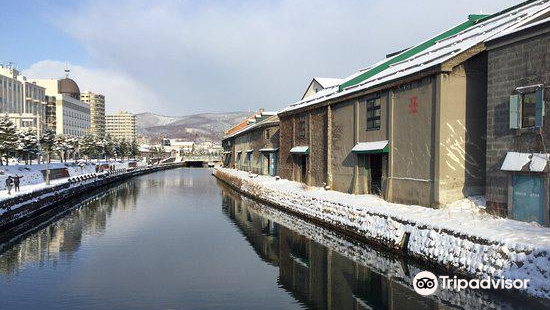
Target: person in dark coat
{"points": [[16, 182], [9, 184]]}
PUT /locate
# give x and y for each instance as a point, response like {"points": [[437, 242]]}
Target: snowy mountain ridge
{"points": [[196, 127]]}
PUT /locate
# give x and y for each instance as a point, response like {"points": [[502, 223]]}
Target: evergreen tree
{"points": [[134, 148], [47, 142], [88, 146], [28, 146], [109, 146], [73, 146], [8, 139], [99, 146], [61, 146], [124, 147]]}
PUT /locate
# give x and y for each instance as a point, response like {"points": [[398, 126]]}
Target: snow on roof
{"points": [[538, 162], [315, 98], [269, 149], [432, 52], [514, 30], [370, 146], [515, 161], [274, 119], [181, 143], [327, 82], [300, 150]]}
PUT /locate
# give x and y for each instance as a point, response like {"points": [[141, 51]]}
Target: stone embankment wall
{"points": [[469, 256]]}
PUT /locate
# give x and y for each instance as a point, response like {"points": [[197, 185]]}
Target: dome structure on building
{"points": [[69, 87]]}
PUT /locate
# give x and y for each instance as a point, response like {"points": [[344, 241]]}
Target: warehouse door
{"points": [[373, 164], [376, 174], [272, 163], [528, 198]]}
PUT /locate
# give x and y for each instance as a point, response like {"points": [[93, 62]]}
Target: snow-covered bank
{"points": [[33, 176], [460, 236]]}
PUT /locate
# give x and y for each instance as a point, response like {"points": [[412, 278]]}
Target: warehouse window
{"points": [[527, 109], [302, 127], [373, 114]]}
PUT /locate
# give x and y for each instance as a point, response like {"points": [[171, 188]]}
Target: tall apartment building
{"points": [[50, 112], [72, 116], [96, 102], [121, 125], [11, 91], [22, 100]]}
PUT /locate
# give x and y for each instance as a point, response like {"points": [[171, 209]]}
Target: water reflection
{"points": [[61, 239], [160, 242], [324, 270]]}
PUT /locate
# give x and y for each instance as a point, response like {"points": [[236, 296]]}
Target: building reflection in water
{"points": [[323, 270], [62, 238]]}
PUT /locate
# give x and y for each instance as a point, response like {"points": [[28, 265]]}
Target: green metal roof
{"points": [[472, 19]]}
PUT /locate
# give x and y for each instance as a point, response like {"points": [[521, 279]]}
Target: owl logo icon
{"points": [[425, 283]]}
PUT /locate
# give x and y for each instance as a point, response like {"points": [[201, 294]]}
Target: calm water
{"points": [[178, 239]]}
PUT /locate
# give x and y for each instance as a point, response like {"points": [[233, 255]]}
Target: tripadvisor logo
{"points": [[426, 283]]}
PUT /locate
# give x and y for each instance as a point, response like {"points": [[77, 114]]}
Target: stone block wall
{"points": [[520, 63], [285, 144]]}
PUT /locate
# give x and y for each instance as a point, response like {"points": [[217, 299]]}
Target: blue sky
{"points": [[177, 57], [29, 35]]}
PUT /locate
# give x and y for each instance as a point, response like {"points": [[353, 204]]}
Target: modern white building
{"points": [[178, 147], [22, 100], [121, 125], [11, 91], [72, 116], [96, 102]]}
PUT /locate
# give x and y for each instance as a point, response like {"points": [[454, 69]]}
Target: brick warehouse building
{"points": [[254, 148], [303, 149], [304, 138], [410, 128], [518, 129]]}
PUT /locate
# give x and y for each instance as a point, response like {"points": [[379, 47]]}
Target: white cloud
{"points": [[233, 55], [121, 91]]}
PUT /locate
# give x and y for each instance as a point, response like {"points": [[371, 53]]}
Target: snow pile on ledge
{"points": [[459, 236]]}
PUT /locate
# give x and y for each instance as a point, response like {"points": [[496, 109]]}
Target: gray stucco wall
{"points": [[463, 109]]}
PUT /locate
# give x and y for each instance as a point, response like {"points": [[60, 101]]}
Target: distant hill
{"points": [[196, 127]]}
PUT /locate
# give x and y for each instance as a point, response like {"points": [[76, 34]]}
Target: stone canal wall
{"points": [[473, 245], [398, 269], [18, 210]]}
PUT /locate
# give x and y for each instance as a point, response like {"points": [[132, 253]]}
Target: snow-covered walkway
{"points": [[460, 236], [33, 178]]}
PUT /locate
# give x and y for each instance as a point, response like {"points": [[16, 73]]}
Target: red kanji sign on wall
{"points": [[413, 105]]}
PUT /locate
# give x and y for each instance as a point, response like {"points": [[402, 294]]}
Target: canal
{"points": [[180, 239]]}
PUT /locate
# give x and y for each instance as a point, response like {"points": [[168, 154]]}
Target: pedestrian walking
{"points": [[9, 184], [16, 182]]}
